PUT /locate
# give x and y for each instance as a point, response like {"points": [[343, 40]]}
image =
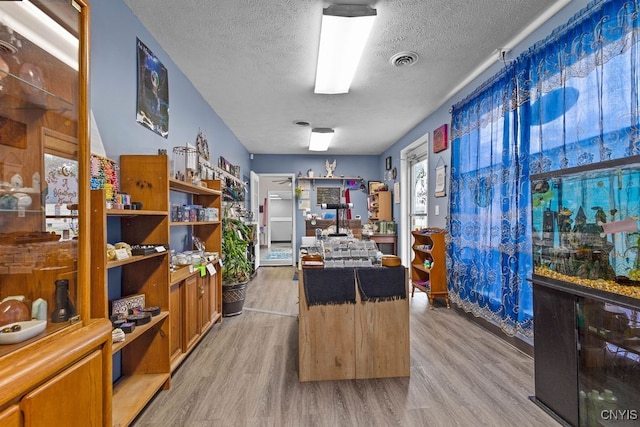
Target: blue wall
{"points": [[114, 30]]}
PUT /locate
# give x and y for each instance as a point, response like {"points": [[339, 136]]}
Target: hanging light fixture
{"points": [[320, 139], [344, 32]]}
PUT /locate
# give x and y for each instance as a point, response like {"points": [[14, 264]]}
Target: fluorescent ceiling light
{"points": [[320, 139], [35, 25], [344, 32]]}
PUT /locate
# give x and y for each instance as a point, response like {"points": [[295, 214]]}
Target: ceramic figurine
{"points": [[35, 182], [16, 181], [330, 167]]}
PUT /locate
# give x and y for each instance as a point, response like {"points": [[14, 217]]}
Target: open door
{"points": [[255, 208]]}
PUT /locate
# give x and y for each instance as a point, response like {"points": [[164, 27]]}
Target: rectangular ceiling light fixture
{"points": [[320, 139], [344, 32]]}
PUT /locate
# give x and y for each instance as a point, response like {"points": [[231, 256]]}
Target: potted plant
{"points": [[236, 268]]}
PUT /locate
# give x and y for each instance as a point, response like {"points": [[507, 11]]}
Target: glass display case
{"points": [[585, 226], [43, 117]]}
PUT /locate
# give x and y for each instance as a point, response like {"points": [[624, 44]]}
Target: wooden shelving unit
{"points": [[314, 179], [380, 206], [429, 246], [196, 300], [145, 367]]}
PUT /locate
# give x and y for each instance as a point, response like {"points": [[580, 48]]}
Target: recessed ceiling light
{"points": [[301, 123], [404, 59]]}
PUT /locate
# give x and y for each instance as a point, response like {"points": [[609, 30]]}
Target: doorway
{"points": [[276, 217], [414, 169]]}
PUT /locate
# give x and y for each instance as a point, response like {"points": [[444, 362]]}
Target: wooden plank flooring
{"points": [[245, 373]]}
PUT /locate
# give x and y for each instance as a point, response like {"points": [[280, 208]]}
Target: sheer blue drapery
{"points": [[570, 100]]}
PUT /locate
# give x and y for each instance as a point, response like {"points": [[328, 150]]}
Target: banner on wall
{"points": [[152, 110]]}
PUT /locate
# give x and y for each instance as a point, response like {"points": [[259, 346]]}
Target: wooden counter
{"points": [[355, 225], [352, 341]]}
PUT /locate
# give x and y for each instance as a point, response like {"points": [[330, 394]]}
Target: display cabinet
{"points": [[428, 267], [586, 292], [49, 341]]}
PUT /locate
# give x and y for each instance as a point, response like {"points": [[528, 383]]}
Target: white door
{"points": [[414, 207], [255, 208]]}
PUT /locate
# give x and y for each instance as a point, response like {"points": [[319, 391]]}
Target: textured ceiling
{"points": [[254, 62]]}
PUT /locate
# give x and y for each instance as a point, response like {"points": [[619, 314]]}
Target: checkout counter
{"points": [[353, 321]]}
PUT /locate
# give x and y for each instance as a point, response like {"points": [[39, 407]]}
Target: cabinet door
{"points": [[72, 398], [175, 308], [192, 294], [205, 306], [11, 417], [555, 352]]}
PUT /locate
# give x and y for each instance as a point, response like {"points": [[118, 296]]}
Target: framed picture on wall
{"points": [[153, 92], [329, 195], [440, 141]]}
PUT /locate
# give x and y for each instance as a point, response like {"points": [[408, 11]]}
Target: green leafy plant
{"points": [[634, 273], [235, 239]]}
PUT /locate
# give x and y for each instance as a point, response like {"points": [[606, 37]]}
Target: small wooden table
{"points": [[387, 243]]}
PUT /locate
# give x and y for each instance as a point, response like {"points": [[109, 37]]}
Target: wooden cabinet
{"points": [[197, 302], [380, 206], [368, 338], [428, 267], [35, 383], [191, 327], [48, 402]]}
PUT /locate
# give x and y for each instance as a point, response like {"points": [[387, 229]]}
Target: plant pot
{"points": [[233, 298]]}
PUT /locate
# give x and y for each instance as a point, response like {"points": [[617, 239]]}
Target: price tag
{"points": [[211, 269], [220, 262], [191, 270], [122, 254], [160, 248]]}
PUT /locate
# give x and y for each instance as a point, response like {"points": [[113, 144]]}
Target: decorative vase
{"points": [[64, 309], [233, 299]]}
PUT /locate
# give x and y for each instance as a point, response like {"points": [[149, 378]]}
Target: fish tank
{"points": [[585, 226]]}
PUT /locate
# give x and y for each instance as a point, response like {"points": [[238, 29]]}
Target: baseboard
{"points": [[516, 342]]}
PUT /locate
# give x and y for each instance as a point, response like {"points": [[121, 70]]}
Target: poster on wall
{"points": [[152, 110]]}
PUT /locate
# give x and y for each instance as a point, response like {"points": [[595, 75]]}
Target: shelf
{"points": [[424, 251], [134, 212], [185, 187], [138, 331], [132, 259], [332, 178], [132, 393], [421, 268], [22, 211], [226, 174], [50, 101], [183, 223]]}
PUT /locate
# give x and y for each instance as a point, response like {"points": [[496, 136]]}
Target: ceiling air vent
{"points": [[404, 59], [7, 48]]}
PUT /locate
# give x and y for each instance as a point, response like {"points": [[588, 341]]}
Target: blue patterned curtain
{"points": [[570, 100]]}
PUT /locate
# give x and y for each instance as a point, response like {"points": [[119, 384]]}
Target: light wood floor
{"points": [[244, 373]]}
